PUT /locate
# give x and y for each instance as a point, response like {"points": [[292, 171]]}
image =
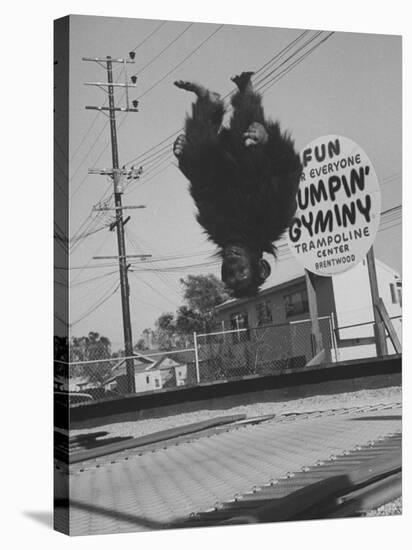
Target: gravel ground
{"points": [[393, 508], [317, 403]]}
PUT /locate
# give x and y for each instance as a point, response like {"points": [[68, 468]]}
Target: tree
{"points": [[202, 293], [165, 321], [89, 348], [140, 345], [165, 331], [189, 321]]}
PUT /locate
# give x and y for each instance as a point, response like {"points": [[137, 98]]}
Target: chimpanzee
{"points": [[243, 179]]}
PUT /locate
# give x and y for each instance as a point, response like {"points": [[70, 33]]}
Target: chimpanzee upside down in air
{"points": [[243, 179]]}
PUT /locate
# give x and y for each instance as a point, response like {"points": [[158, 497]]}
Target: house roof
{"points": [[262, 293], [141, 364], [169, 361], [121, 371]]}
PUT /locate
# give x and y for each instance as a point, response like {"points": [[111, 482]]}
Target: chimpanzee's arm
{"points": [[200, 153]]}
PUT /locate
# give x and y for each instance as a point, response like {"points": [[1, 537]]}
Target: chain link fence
{"points": [[260, 351], [109, 377], [220, 355]]}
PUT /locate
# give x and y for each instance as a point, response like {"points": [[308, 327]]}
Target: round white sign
{"points": [[339, 205]]}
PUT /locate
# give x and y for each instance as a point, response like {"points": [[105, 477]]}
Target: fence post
{"points": [[196, 358], [333, 331]]}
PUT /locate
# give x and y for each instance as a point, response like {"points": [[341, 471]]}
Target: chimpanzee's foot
{"points": [[243, 81], [256, 134], [198, 89], [179, 145]]}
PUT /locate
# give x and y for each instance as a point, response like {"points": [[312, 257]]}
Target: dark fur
{"points": [[243, 194]]}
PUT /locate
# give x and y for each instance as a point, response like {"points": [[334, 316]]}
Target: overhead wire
{"points": [[122, 121], [165, 48], [181, 62], [152, 33], [154, 289], [133, 240], [286, 70], [257, 81], [156, 152], [155, 30], [97, 305]]}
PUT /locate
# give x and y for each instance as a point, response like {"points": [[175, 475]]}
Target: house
{"points": [[174, 372], [147, 377], [74, 384], [276, 326]]}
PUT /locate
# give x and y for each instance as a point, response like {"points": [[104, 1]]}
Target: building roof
{"points": [[166, 362], [141, 364], [262, 293]]}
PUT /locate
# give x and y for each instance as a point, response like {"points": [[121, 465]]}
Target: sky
{"points": [[350, 85]]}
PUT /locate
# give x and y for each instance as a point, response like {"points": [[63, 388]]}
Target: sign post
{"points": [[379, 328]]}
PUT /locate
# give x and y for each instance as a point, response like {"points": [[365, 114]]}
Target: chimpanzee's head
{"points": [[243, 270]]}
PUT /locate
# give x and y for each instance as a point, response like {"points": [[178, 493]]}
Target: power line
{"points": [[102, 300], [154, 175], [181, 62], [85, 135], [163, 151], [91, 258], [87, 154], [91, 279], [166, 142], [270, 82], [158, 27], [282, 246], [285, 71], [266, 66], [139, 72], [156, 290], [135, 243], [87, 281], [261, 79]]}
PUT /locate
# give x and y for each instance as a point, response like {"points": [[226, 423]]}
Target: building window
{"points": [[399, 289], [296, 303], [239, 322], [147, 379], [264, 313], [157, 384], [393, 293]]}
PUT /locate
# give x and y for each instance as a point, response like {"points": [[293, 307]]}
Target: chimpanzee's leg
{"points": [[197, 148], [248, 121]]}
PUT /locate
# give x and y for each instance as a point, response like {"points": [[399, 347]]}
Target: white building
{"points": [[146, 376], [280, 313]]}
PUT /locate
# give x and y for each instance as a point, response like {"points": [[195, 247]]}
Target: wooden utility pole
{"points": [[379, 327], [117, 175]]}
